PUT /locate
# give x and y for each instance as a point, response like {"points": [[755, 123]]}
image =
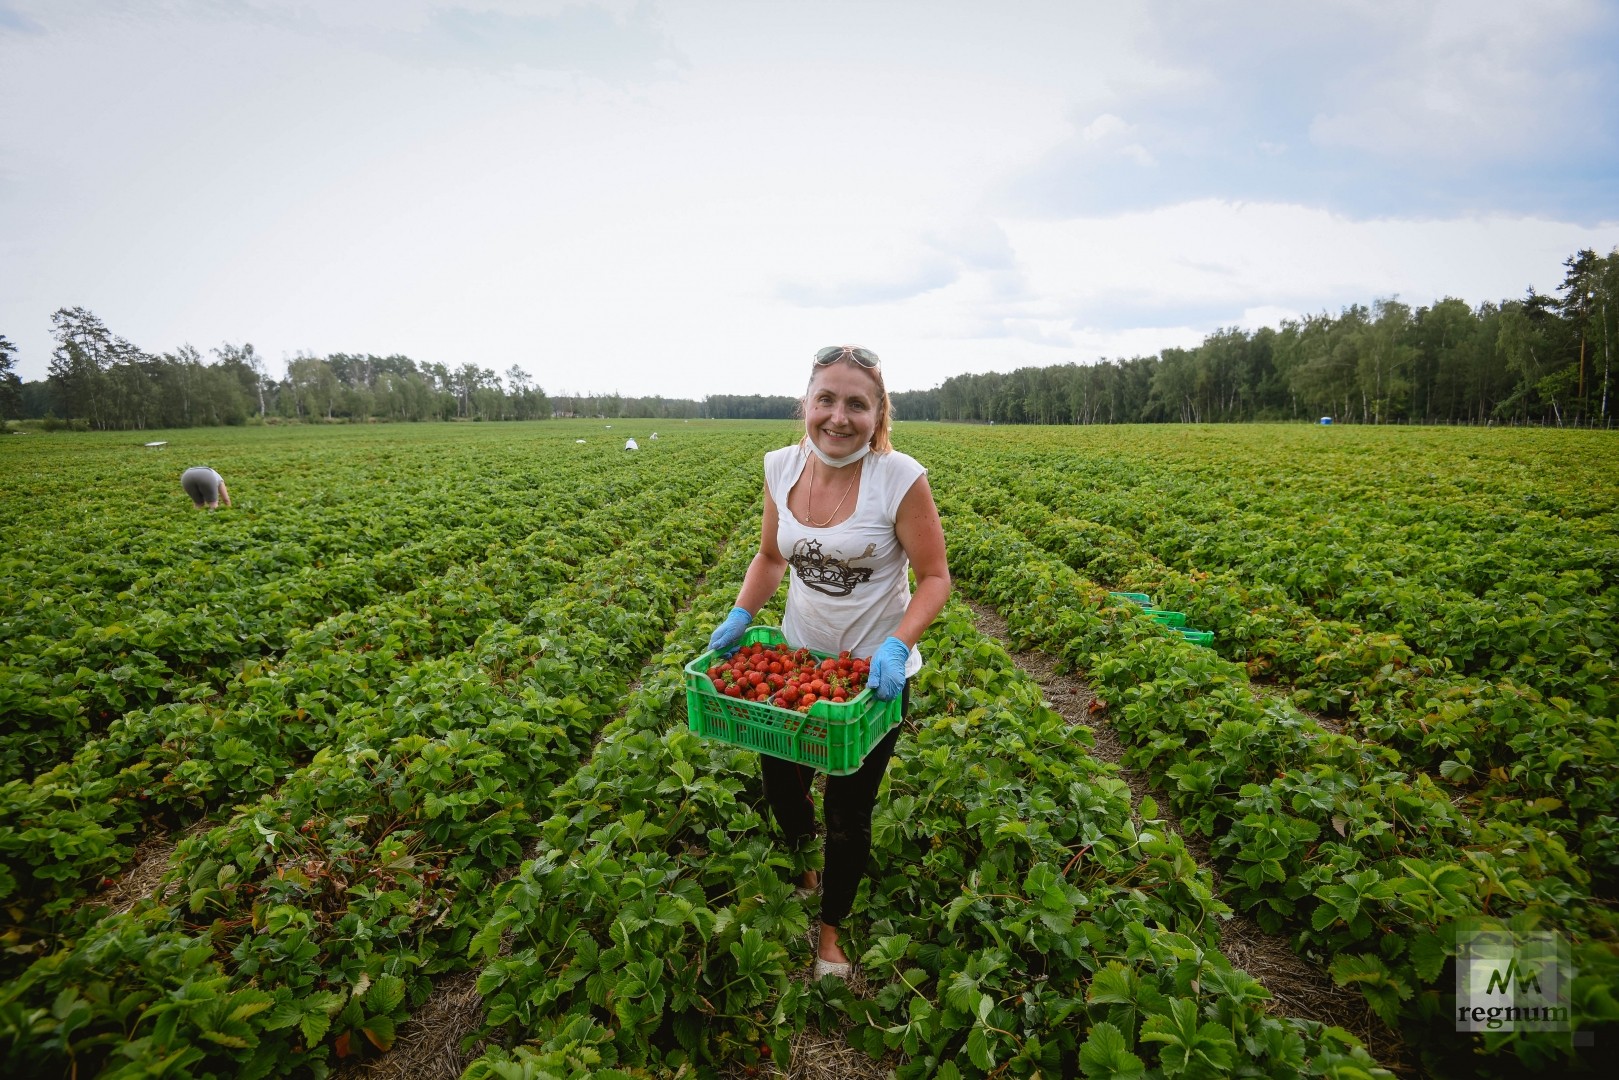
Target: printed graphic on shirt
{"points": [[835, 577]]}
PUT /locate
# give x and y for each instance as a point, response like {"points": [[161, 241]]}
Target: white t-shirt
{"points": [[847, 586]]}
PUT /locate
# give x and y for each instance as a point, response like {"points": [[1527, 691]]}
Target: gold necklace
{"points": [[823, 524]]}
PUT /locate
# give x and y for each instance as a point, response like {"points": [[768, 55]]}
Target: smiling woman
{"points": [[855, 516], [842, 416]]}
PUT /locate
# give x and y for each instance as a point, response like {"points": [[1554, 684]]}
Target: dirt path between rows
{"points": [[1298, 987], [150, 860]]}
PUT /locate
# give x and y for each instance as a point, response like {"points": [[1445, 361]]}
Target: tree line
{"points": [[103, 382], [1539, 359]]}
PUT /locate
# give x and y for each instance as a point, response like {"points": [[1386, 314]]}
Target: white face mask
{"points": [[838, 462]]}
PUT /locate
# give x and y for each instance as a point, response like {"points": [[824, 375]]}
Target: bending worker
{"points": [[205, 486]]}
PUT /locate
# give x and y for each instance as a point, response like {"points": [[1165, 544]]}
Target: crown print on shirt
{"points": [[834, 577]]}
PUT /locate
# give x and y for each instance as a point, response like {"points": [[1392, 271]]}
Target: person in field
{"points": [[205, 486], [847, 514]]}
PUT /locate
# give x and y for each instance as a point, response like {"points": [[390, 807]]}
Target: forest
{"points": [[1541, 359]]}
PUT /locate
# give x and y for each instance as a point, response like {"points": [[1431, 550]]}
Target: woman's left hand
{"points": [[888, 669]]}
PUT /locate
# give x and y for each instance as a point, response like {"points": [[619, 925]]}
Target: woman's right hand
{"points": [[728, 633]]}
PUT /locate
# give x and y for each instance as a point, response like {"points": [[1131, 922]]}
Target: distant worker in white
{"points": [[205, 486]]}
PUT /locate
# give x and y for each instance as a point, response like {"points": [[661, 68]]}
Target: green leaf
{"points": [[314, 1025], [1105, 1055], [1368, 974], [486, 942], [490, 979], [1428, 956], [887, 952], [1216, 1046], [1344, 898], [1113, 985], [284, 1015], [386, 994], [235, 1042], [956, 907], [380, 1031], [1458, 771], [978, 1048], [246, 1003]]}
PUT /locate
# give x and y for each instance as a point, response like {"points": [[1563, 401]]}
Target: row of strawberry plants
{"points": [[1515, 750], [1461, 512], [1477, 549], [1322, 835], [71, 826], [1538, 760], [61, 686], [646, 786], [657, 931], [175, 760], [1541, 620], [125, 555], [145, 613], [1071, 909], [326, 907]]}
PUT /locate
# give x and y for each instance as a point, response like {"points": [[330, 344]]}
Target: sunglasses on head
{"points": [[833, 353]]}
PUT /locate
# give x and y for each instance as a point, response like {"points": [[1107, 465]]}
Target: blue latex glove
{"points": [[888, 669], [729, 632]]}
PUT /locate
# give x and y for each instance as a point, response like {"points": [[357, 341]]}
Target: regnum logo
{"points": [[1512, 980]]}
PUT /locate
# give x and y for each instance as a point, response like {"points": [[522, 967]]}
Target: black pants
{"points": [[849, 801]]}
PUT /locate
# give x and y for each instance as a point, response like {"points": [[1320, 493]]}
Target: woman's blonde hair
{"points": [[880, 441]]}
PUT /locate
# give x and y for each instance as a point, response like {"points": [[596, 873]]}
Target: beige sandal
{"points": [[824, 968]]}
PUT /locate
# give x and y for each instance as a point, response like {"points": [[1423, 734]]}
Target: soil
{"points": [[147, 866]]}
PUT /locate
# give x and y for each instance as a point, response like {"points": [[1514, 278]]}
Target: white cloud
{"points": [[1457, 78], [1256, 318], [1104, 128], [1382, 109], [1247, 257], [1111, 136], [685, 198]]}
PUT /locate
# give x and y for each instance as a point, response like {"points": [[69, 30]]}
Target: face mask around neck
{"points": [[838, 462]]}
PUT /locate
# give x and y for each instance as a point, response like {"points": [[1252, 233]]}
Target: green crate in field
{"points": [[1165, 618], [1133, 597], [1196, 637], [833, 738]]}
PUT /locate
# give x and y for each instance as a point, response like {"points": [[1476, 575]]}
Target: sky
{"points": [[689, 197]]}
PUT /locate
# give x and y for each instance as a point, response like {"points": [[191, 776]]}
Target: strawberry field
{"points": [[410, 715]]}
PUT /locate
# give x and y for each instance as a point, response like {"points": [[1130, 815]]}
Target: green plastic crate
{"points": [[833, 738], [1196, 637], [1166, 618], [1134, 597]]}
